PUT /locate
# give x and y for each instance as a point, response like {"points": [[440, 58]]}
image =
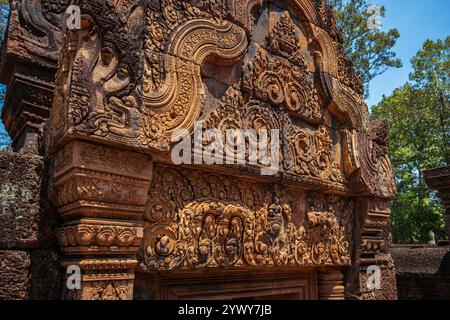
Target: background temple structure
{"points": [[94, 113]]}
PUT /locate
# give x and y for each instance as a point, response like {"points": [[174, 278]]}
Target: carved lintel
{"points": [[198, 220]]}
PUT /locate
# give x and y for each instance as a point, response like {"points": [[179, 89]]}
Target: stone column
{"points": [[331, 284], [375, 259], [28, 64], [100, 192], [27, 106], [439, 179]]}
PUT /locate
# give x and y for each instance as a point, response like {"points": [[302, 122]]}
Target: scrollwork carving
{"points": [[281, 83], [177, 103], [376, 175], [304, 151], [106, 99]]}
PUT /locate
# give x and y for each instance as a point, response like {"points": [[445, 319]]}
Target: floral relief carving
{"points": [[281, 78], [281, 83], [304, 151]]}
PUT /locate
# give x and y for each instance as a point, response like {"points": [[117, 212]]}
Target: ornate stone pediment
{"points": [[135, 76], [142, 80], [139, 75], [298, 197]]}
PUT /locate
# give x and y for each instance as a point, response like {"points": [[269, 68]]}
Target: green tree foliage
{"points": [[432, 75], [369, 49], [419, 127]]}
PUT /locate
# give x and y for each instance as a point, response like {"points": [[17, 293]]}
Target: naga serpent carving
{"points": [[150, 113]]}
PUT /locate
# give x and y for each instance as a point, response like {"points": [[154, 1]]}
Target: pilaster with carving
{"points": [[101, 194], [28, 66], [375, 182]]}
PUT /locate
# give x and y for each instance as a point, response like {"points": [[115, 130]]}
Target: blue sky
{"points": [[416, 20]]}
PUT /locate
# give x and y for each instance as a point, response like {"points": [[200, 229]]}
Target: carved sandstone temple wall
{"points": [[134, 79]]}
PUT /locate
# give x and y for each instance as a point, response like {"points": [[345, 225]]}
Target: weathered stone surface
{"points": [[46, 275], [32, 275], [20, 185], [14, 275], [423, 287], [422, 272], [388, 289], [421, 259], [25, 219]]}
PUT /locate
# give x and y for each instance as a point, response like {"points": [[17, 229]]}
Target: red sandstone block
{"points": [[24, 221], [14, 275]]}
